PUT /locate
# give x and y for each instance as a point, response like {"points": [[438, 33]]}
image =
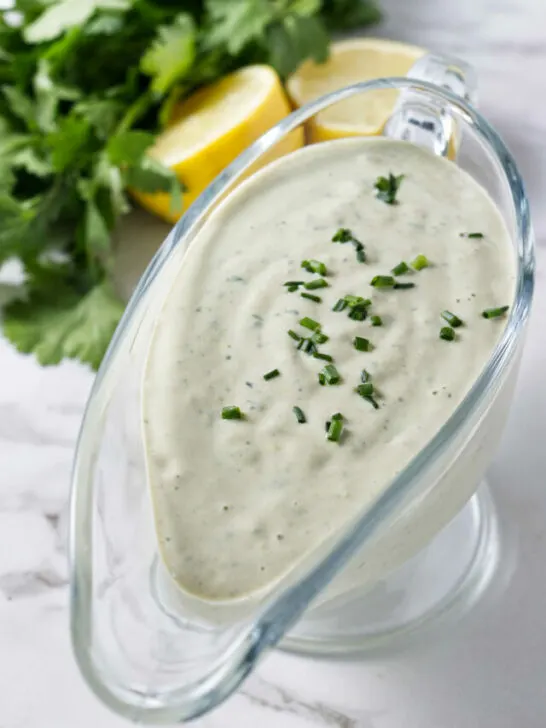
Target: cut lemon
{"points": [[215, 124], [351, 61]]}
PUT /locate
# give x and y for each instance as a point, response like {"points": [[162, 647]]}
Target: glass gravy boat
{"points": [[154, 654]]}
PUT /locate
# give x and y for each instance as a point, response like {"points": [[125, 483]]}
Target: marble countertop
{"points": [[490, 670]]}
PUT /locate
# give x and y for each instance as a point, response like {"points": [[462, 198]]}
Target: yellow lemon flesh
{"points": [[351, 61], [215, 124]]}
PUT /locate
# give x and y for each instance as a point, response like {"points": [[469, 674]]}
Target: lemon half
{"points": [[351, 61], [213, 126]]}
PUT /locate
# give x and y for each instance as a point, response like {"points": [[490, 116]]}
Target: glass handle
{"points": [[422, 120]]}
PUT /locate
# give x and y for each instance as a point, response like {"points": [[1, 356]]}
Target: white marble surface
{"points": [[489, 670]]}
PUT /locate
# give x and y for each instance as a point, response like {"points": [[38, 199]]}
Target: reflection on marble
{"points": [[489, 671]]}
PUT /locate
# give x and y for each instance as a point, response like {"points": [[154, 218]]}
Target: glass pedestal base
{"points": [[448, 576]]}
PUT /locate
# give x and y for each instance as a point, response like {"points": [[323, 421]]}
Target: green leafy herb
{"points": [[85, 85], [299, 415], [361, 344], [314, 266], [311, 297], [386, 188], [343, 235], [400, 269], [366, 391], [420, 262], [383, 282], [309, 323], [447, 333], [272, 374], [451, 319], [340, 305], [376, 320], [293, 335], [331, 374], [490, 313], [477, 236], [324, 357], [335, 428], [317, 283], [365, 376], [232, 412], [319, 338], [403, 286]]}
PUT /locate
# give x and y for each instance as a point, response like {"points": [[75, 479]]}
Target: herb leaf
{"points": [[386, 188]]}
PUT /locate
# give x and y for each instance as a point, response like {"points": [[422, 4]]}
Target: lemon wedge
{"points": [[212, 126], [351, 61]]}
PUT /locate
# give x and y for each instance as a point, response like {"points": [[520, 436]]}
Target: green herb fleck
{"points": [[311, 297], [343, 235], [293, 335], [451, 319], [314, 266], [272, 374], [319, 338], [331, 374], [400, 269], [420, 262], [299, 415], [366, 391], [475, 236], [383, 282], [340, 305], [309, 323], [335, 428], [447, 333], [403, 286], [365, 376], [386, 188], [376, 320], [324, 357], [361, 344], [232, 413], [490, 313], [317, 283]]}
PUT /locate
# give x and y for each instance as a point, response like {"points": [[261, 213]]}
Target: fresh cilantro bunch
{"points": [[84, 87]]}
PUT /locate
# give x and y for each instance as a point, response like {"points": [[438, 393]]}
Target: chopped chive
{"points": [[358, 313], [314, 266], [337, 416], [340, 305], [476, 236], [311, 297], [490, 313], [400, 269], [308, 346], [335, 428], [324, 357], [343, 235], [365, 376], [361, 255], [451, 319], [383, 282], [361, 344], [366, 391], [403, 286], [356, 300], [317, 283], [293, 335], [294, 283], [309, 323], [420, 262], [299, 415], [331, 374], [319, 338], [376, 320], [447, 333], [386, 188], [272, 374], [292, 289], [321, 379], [232, 413]]}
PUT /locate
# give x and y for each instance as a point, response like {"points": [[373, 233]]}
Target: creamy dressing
{"points": [[239, 503]]}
